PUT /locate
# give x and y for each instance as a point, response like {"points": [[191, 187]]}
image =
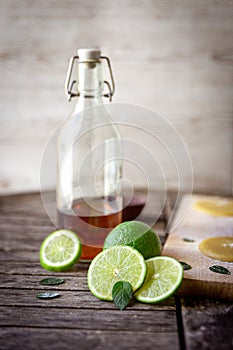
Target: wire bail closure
{"points": [[70, 83]]}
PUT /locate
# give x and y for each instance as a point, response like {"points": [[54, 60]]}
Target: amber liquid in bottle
{"points": [[90, 224]]}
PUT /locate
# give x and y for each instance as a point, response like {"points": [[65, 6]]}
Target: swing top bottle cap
{"points": [[89, 54]]}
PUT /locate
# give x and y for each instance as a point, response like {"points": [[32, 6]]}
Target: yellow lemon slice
{"points": [[219, 207], [219, 248]]}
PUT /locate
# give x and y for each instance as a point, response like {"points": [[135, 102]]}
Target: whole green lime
{"points": [[135, 234]]}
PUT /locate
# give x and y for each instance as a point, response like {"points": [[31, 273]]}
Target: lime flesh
{"points": [[135, 234], [119, 263], [164, 276], [60, 250]]}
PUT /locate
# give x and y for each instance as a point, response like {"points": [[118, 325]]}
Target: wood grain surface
{"points": [[197, 226], [204, 321], [77, 320]]}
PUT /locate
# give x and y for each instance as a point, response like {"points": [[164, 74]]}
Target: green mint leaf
{"points": [[189, 240], [52, 281], [219, 269], [185, 265], [47, 295], [122, 293]]}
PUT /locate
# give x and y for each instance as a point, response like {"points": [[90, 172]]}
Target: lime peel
{"points": [[119, 263], [60, 250], [163, 278], [135, 234]]}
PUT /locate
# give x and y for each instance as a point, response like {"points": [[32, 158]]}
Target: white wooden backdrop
{"points": [[173, 56]]}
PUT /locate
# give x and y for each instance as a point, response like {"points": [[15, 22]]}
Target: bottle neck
{"points": [[90, 85], [90, 82]]}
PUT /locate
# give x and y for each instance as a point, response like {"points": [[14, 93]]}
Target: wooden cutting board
{"points": [[197, 226]]}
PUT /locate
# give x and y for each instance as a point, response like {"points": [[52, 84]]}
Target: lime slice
{"points": [[135, 234], [60, 250], [164, 276], [119, 263]]}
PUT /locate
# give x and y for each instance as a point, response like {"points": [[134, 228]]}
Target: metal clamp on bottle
{"points": [[86, 56]]}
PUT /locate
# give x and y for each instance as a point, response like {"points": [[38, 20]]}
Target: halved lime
{"points": [[119, 263], [164, 276], [60, 250], [135, 234]]}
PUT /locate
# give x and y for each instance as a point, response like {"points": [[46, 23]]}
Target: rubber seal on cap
{"points": [[89, 54]]}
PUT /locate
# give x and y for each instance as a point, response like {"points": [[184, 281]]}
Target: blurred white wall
{"points": [[172, 56]]}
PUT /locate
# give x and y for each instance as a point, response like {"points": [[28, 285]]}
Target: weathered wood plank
{"points": [[28, 268], [113, 320], [23, 205], [22, 221], [74, 283], [207, 324], [53, 339], [20, 255], [37, 212], [16, 201], [77, 313], [23, 241], [69, 299], [24, 226]]}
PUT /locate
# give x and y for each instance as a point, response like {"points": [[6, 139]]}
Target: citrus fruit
{"points": [[60, 250], [135, 234], [220, 248], [120, 263], [216, 207], [164, 275]]}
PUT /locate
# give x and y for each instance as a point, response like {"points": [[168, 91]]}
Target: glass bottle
{"points": [[89, 198]]}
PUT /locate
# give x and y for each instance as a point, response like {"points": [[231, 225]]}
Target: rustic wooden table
{"points": [[77, 320]]}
